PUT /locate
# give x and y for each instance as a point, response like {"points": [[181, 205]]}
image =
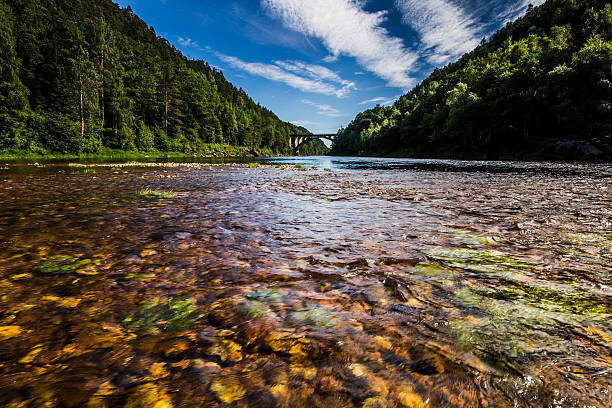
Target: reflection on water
{"points": [[378, 283]]}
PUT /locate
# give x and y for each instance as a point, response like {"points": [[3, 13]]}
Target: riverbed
{"points": [[306, 282]]}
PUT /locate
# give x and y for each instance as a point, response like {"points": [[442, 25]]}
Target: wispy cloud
{"points": [[261, 30], [303, 123], [346, 29], [448, 29], [445, 30], [510, 12], [305, 77], [381, 100], [331, 58], [187, 42], [324, 110], [317, 72]]}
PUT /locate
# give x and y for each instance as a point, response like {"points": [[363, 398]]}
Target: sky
{"points": [[317, 63]]}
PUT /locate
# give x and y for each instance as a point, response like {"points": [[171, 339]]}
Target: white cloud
{"points": [[346, 29], [305, 77], [381, 100], [303, 123], [331, 58], [187, 42], [445, 31], [511, 12], [324, 110], [317, 72]]}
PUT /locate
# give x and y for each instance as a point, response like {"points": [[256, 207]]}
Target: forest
{"points": [[84, 76], [543, 78]]}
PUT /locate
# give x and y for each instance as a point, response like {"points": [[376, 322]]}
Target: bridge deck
{"points": [[315, 135]]}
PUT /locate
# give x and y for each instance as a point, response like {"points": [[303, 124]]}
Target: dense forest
{"points": [[80, 76], [545, 77]]}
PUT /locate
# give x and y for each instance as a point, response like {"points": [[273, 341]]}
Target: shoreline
{"points": [[219, 152]]}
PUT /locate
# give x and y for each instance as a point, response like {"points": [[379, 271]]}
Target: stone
{"points": [[8, 332], [227, 388], [148, 396]]}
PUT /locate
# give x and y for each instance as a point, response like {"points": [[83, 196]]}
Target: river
{"points": [[341, 282]]}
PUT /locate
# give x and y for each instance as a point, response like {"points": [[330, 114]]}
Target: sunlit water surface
{"points": [[363, 283]]}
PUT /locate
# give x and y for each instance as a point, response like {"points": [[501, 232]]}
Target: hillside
{"points": [[541, 87], [80, 76]]}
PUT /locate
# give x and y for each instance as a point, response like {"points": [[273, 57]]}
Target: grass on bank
{"points": [[212, 150]]}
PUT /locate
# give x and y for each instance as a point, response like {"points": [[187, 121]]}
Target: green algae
{"points": [[316, 315], [506, 330], [176, 314], [477, 261], [266, 295], [546, 298], [518, 320], [604, 241], [257, 303], [254, 309], [148, 192], [469, 237], [59, 265], [430, 269]]}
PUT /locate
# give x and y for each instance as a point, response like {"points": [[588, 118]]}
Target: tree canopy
{"points": [[76, 76], [546, 76]]}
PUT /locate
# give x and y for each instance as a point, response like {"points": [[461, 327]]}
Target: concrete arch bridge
{"points": [[298, 140]]}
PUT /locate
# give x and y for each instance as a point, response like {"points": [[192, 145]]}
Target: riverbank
{"points": [[105, 155], [562, 150]]}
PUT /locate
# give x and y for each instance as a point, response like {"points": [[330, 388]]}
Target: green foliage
{"points": [[546, 76], [81, 77]]}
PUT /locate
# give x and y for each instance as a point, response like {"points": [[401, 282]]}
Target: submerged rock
{"points": [[228, 388], [8, 332], [579, 150], [59, 265], [174, 314], [148, 396], [316, 315], [477, 261]]}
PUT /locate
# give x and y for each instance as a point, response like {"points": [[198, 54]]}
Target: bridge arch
{"points": [[298, 140]]}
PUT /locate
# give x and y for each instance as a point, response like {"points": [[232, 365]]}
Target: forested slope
{"points": [[545, 77], [77, 76]]}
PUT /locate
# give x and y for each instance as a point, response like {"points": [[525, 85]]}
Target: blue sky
{"points": [[317, 63]]}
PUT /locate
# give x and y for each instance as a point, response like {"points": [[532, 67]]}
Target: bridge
{"points": [[298, 140]]}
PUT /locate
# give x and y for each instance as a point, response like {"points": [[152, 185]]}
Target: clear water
{"points": [[362, 282]]}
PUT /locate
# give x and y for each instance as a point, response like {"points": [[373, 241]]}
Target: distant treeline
{"points": [[77, 76], [545, 77]]}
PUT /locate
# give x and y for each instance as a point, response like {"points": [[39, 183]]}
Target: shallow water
{"points": [[374, 283]]}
